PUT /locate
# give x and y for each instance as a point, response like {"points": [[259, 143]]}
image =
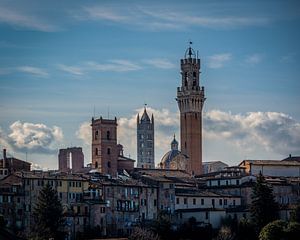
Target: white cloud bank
{"points": [[272, 132], [32, 138], [218, 60]]}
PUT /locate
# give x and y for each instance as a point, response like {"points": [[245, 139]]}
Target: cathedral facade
{"points": [[145, 140]]}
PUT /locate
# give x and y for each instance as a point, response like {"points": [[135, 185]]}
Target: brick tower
{"points": [[190, 99], [104, 145], [145, 141]]}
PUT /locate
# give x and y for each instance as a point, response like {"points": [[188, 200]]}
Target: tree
{"points": [[48, 215], [295, 214], [143, 234], [263, 209], [280, 230], [273, 231], [225, 233]]}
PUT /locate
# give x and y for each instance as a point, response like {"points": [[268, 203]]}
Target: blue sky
{"points": [[62, 61]]}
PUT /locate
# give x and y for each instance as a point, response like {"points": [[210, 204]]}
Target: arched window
{"points": [[96, 164], [96, 151], [96, 134], [108, 135], [108, 151], [108, 164]]}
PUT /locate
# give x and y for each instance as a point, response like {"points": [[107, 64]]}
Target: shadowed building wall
{"points": [[70, 159]]}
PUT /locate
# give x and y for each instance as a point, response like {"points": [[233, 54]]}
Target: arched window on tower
{"points": [[108, 135], [96, 134], [194, 79], [96, 164], [108, 151], [185, 79], [96, 151]]}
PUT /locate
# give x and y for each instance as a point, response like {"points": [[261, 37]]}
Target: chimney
{"points": [[4, 158], [4, 154]]}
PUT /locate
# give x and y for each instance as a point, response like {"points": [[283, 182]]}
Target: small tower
{"points": [[104, 145], [145, 141], [190, 99]]}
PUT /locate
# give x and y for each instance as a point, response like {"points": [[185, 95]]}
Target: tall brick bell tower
{"points": [[190, 99], [104, 145]]}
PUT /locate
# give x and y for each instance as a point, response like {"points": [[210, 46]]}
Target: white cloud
{"points": [[101, 13], [22, 20], [192, 19], [273, 131], [160, 63], [254, 58], [32, 138], [84, 132], [71, 69], [166, 124], [155, 19], [219, 60], [33, 70], [118, 65], [251, 133]]}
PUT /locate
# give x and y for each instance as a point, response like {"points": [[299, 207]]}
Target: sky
{"points": [[63, 62]]}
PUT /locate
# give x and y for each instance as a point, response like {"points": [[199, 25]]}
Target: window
{"points": [[202, 201], [206, 215], [219, 183], [155, 202], [233, 202], [108, 164], [237, 182], [213, 202], [96, 135], [108, 151], [220, 202], [177, 200], [108, 135], [96, 151], [225, 202], [102, 209], [185, 200], [194, 201], [86, 210], [96, 165]]}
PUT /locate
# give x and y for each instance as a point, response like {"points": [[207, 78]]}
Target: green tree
{"points": [[263, 209], [292, 231], [295, 214], [273, 231], [143, 234], [280, 230], [48, 215]]}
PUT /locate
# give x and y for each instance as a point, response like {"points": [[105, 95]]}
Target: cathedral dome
{"points": [[169, 156], [174, 159]]}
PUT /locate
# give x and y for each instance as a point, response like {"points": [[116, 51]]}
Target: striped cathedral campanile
{"points": [[190, 99]]}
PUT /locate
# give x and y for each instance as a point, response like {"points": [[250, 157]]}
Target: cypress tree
{"points": [[263, 209], [48, 215]]}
